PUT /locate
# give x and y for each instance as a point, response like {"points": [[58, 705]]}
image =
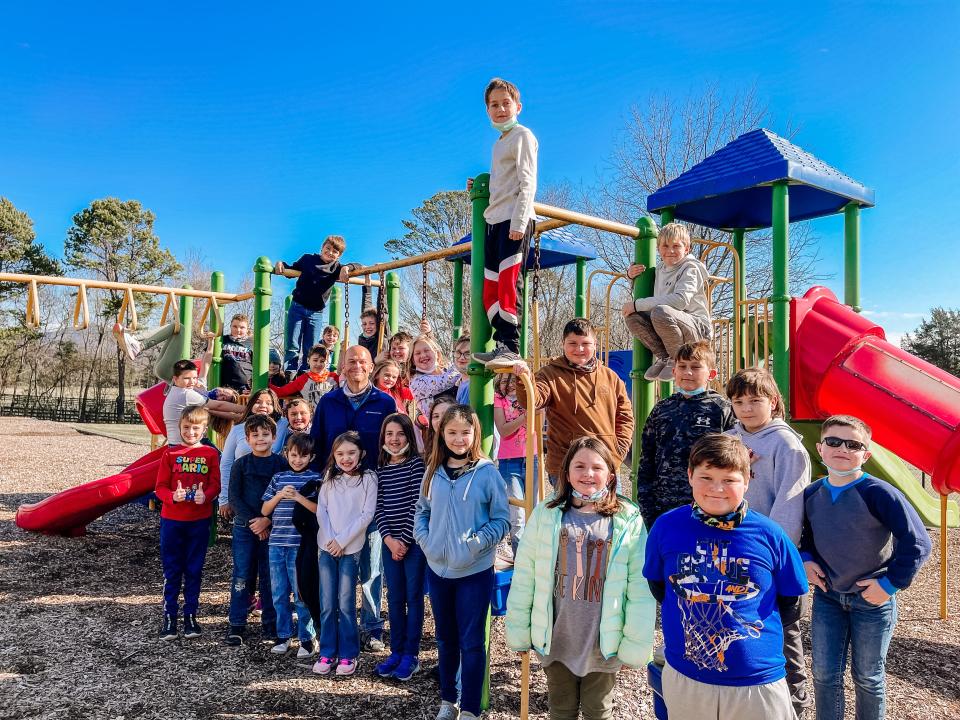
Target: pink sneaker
{"points": [[324, 665], [346, 667]]}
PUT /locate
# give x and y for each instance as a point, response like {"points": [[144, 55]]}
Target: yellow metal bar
{"points": [[943, 557], [127, 307], [32, 318], [218, 321], [171, 303], [546, 225], [34, 280], [80, 309], [586, 220]]}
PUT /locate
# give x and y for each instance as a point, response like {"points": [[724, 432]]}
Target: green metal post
{"points": [[851, 256], [525, 316], [336, 319], [781, 290], [262, 295], [644, 253], [457, 298], [666, 216], [185, 337], [481, 387], [217, 284], [740, 248], [393, 302], [580, 300]]}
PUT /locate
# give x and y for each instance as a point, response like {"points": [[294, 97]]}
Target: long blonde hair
{"points": [[429, 340], [440, 453]]}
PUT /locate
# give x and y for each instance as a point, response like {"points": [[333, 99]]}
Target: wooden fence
{"points": [[68, 409]]}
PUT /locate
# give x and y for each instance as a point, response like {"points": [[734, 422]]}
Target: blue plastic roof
{"points": [[557, 247], [732, 188]]}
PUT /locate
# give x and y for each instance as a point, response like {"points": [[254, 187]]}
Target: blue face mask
{"points": [[691, 393], [506, 125], [592, 497], [842, 473]]}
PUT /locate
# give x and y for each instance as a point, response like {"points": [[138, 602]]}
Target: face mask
{"points": [[506, 125], [429, 369], [592, 497], [842, 473], [401, 451], [691, 393], [457, 456]]}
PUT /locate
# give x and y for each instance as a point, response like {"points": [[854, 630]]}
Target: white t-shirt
{"points": [[174, 403]]}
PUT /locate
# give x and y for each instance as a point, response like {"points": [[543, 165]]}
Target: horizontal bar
{"points": [[354, 279], [586, 220], [412, 260], [107, 285], [546, 225]]}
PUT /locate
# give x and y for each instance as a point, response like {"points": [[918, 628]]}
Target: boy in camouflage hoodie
{"points": [[675, 424]]}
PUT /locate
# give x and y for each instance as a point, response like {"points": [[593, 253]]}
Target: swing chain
{"points": [[536, 267], [382, 299], [423, 294]]}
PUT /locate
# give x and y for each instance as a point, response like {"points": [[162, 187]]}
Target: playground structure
{"points": [[825, 356]]}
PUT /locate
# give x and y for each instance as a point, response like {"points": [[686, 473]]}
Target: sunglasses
{"points": [[835, 442]]}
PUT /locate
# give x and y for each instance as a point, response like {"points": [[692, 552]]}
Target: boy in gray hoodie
{"points": [[677, 312], [780, 469]]}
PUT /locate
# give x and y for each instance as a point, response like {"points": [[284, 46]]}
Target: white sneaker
{"points": [[307, 649], [653, 372], [281, 648], [448, 711], [126, 340]]}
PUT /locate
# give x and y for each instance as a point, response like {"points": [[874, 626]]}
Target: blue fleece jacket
{"points": [[335, 414]]}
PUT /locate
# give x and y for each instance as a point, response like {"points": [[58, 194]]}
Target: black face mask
{"points": [[457, 456]]}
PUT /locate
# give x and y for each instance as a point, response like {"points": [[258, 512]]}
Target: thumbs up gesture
{"points": [[198, 496], [179, 495]]}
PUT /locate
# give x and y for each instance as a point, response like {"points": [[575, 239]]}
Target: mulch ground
{"points": [[79, 617]]}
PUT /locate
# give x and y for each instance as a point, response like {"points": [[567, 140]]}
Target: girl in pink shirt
{"points": [[510, 419]]}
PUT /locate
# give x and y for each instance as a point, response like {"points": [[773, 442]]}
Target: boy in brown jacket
{"points": [[580, 397]]}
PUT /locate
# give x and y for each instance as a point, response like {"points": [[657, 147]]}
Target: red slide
{"points": [[69, 512], [842, 363]]}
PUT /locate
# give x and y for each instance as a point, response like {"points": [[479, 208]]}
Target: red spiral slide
{"points": [[842, 363]]}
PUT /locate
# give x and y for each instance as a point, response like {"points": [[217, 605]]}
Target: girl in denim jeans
{"points": [[345, 507], [510, 419]]}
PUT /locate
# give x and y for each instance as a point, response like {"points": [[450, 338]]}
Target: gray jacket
{"points": [[682, 287]]}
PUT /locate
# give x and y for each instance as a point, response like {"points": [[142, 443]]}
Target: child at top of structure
{"points": [[677, 312], [318, 274], [187, 391], [780, 470], [580, 396], [282, 494], [672, 428], [728, 579], [313, 384], [400, 472], [862, 542], [188, 480], [510, 421], [386, 376], [236, 355], [578, 595], [510, 220], [249, 477], [346, 504], [460, 517], [369, 325]]}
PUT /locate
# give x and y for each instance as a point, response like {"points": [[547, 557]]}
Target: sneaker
{"points": [[503, 560], [485, 357], [235, 635], [448, 711], [126, 340], [468, 716], [504, 359], [653, 372], [168, 630], [666, 375], [373, 643], [281, 648], [408, 667], [308, 648], [191, 628], [346, 666], [386, 668], [323, 666]]}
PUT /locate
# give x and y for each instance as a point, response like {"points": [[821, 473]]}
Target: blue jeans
{"points": [[250, 557], [842, 620], [183, 548], [460, 609], [405, 599], [283, 581], [303, 330], [339, 636], [514, 472], [371, 582]]}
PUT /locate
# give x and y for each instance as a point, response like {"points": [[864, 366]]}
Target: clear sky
{"points": [[251, 130]]}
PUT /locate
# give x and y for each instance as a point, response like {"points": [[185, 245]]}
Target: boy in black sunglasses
{"points": [[861, 543]]}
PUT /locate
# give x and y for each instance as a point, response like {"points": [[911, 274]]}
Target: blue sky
{"points": [[254, 131]]}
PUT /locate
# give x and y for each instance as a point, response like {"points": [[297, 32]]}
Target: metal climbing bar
{"points": [[32, 281], [576, 218]]}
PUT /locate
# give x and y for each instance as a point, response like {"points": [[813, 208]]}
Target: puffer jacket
{"points": [[628, 610]]}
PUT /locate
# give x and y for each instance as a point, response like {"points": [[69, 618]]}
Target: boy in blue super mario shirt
{"points": [[734, 578]]}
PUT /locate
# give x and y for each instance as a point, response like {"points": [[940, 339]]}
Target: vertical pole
{"points": [[666, 217], [781, 290], [457, 298], [481, 387], [644, 252], [393, 302], [525, 315], [262, 295], [336, 319], [217, 284], [580, 300], [851, 256], [185, 337], [943, 557], [740, 278]]}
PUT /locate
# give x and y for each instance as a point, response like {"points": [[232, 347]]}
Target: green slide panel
{"points": [[886, 466]]}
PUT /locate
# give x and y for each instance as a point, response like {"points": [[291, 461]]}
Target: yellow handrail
{"points": [[122, 287]]}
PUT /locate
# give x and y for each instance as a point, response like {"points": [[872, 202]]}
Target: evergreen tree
{"points": [[937, 340]]}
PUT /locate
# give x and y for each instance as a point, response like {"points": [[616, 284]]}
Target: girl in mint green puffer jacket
{"points": [[578, 595]]}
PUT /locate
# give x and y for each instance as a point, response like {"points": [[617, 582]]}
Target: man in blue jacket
{"points": [[358, 405]]}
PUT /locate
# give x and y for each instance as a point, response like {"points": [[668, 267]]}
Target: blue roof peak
{"points": [[732, 187]]}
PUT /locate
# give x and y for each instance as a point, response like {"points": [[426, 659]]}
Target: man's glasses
{"points": [[835, 442]]}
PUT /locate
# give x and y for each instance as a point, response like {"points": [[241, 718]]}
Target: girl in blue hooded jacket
{"points": [[461, 515]]}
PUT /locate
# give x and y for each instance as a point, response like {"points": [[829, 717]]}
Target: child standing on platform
{"points": [[313, 384], [345, 507], [188, 480], [400, 472], [369, 325], [510, 220], [510, 420], [461, 516], [578, 596]]}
